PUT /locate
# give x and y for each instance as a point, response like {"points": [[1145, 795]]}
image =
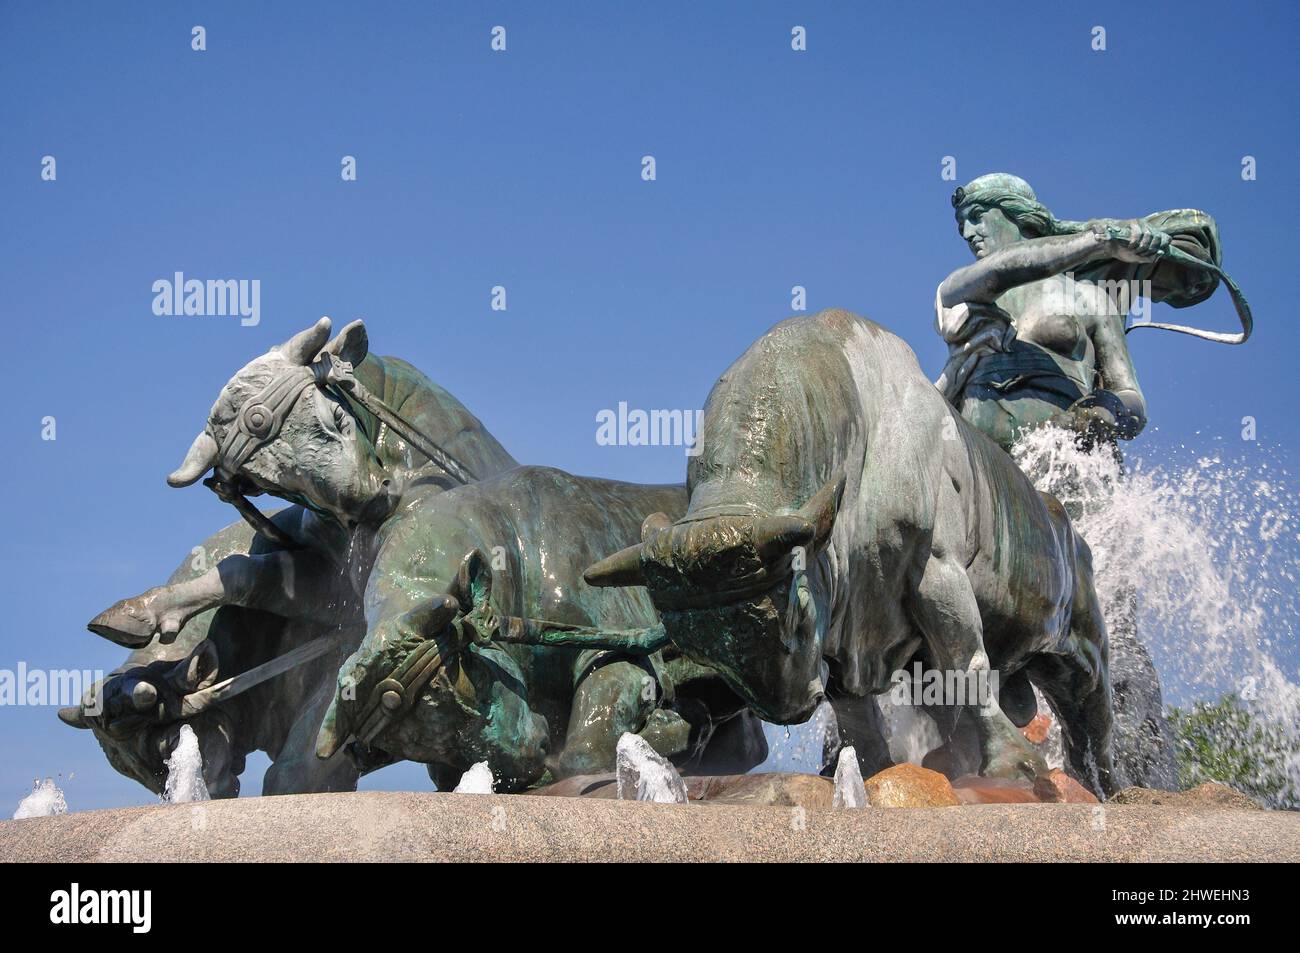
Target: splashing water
{"points": [[645, 775], [1197, 556], [849, 792], [46, 800], [185, 771], [477, 780]]}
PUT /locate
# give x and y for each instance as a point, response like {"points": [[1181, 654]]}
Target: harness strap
{"points": [[260, 419]]}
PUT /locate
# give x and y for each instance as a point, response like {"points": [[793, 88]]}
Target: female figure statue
{"points": [[1036, 335], [1035, 326]]}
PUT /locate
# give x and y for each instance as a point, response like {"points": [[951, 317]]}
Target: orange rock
{"points": [[1057, 787], [972, 789], [908, 785], [1036, 731]]}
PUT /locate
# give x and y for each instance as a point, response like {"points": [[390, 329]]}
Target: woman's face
{"points": [[987, 230]]}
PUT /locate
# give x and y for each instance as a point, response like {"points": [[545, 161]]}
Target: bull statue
{"points": [[845, 523], [223, 602], [417, 544]]}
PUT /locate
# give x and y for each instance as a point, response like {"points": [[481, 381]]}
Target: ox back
{"points": [[835, 395]]}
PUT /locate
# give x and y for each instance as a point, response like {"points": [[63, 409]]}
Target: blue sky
{"points": [[523, 169]]}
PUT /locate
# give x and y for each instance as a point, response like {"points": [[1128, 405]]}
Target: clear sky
{"points": [[522, 168]]}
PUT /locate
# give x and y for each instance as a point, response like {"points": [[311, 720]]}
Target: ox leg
{"points": [[1077, 684], [946, 611], [859, 724], [612, 698], [296, 769], [290, 584]]}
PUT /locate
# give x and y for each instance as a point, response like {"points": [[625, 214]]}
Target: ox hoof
{"points": [[132, 623]]}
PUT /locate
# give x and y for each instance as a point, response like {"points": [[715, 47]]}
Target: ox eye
{"points": [[341, 419]]}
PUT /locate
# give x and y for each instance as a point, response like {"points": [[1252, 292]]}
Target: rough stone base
{"points": [[378, 826]]}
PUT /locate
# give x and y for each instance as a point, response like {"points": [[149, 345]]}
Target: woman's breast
{"points": [[1053, 331]]}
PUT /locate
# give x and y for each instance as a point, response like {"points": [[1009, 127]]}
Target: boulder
{"points": [[909, 785], [972, 789], [1142, 739], [1057, 787], [1036, 731]]}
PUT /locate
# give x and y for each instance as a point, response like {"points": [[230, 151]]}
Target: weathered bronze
{"points": [[465, 597], [1036, 326], [844, 522]]}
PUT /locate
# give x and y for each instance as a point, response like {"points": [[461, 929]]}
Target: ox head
{"points": [[279, 427], [428, 689], [735, 594]]}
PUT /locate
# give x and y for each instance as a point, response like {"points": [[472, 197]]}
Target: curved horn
{"points": [[201, 458], [775, 536], [621, 569], [822, 509], [303, 347], [73, 716]]}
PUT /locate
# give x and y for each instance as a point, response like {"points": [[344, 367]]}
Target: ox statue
{"points": [[418, 544], [845, 524]]}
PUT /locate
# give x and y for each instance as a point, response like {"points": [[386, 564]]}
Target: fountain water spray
{"points": [[46, 800], [1198, 558], [185, 770], [643, 774], [849, 792], [477, 780]]}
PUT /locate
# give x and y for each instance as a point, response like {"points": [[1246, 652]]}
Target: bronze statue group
{"points": [[426, 597]]}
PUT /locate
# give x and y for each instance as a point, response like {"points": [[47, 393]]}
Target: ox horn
{"points": [[775, 536], [351, 344], [201, 458], [74, 716], [335, 729], [621, 569], [303, 347], [822, 509]]}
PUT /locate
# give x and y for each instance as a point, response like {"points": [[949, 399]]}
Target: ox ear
{"points": [[337, 725], [472, 586], [196, 671], [822, 509], [352, 344], [621, 569], [201, 457], [335, 729], [303, 347]]}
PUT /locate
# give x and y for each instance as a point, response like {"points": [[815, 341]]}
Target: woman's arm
{"points": [[1118, 377], [1018, 264], [1034, 259]]}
